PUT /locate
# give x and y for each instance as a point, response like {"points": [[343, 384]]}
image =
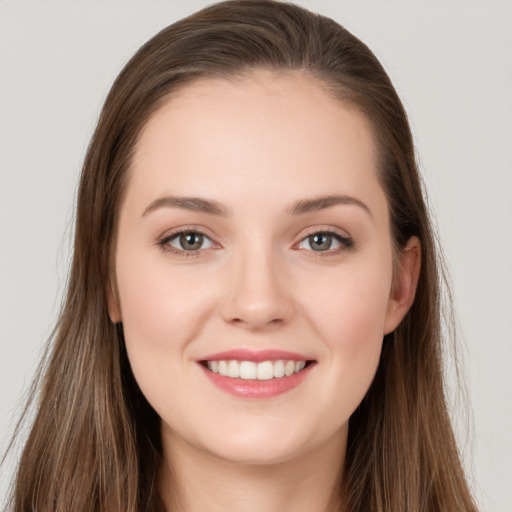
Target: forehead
{"points": [[278, 134]]}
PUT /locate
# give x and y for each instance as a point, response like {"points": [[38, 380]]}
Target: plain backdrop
{"points": [[451, 63]]}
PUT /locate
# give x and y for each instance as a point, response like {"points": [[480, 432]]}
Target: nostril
{"points": [[254, 322]]}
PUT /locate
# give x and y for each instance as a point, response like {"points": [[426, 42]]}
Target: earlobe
{"points": [[404, 286], [114, 311]]}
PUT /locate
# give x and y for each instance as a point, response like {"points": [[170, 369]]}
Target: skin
{"points": [[256, 146]]}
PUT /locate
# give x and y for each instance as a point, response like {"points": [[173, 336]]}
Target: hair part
{"points": [[95, 443]]}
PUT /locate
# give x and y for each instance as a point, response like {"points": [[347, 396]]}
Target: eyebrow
{"points": [[195, 204], [211, 207], [322, 202]]}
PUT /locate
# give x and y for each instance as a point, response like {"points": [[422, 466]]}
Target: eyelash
{"points": [[347, 243]]}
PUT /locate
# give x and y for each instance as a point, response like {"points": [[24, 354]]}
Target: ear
{"points": [[114, 311], [404, 285]]}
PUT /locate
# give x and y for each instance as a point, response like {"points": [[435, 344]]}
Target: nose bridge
{"points": [[257, 295]]}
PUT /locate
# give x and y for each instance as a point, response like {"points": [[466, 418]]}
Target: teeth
{"points": [[279, 369], [213, 366], [265, 370], [289, 368], [223, 367], [248, 370], [234, 369], [299, 365]]}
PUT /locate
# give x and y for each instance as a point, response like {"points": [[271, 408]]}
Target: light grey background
{"points": [[451, 62]]}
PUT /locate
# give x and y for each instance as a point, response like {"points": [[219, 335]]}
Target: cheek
{"points": [[156, 303], [350, 308], [160, 312], [349, 316], [354, 339]]}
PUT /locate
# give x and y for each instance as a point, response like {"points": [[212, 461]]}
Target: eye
{"points": [[323, 241], [188, 241]]}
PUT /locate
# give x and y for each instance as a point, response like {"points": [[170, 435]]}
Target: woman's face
{"points": [[254, 239]]}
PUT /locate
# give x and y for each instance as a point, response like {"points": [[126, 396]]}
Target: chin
{"points": [[254, 455], [262, 448]]}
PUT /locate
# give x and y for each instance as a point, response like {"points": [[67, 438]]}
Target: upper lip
{"points": [[256, 356]]}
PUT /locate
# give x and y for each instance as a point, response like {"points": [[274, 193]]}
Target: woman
{"points": [[252, 319]]}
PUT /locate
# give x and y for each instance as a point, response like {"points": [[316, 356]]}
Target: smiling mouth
{"points": [[250, 370]]}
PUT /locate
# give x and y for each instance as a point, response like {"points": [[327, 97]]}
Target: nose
{"points": [[258, 293]]}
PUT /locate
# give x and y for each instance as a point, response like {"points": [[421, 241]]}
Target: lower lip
{"points": [[258, 388]]}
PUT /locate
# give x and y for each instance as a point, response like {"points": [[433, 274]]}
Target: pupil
{"points": [[320, 242], [191, 241]]}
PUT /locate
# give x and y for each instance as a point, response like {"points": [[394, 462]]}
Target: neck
{"points": [[199, 481]]}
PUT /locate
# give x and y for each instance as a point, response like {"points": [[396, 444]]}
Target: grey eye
{"points": [[323, 241], [190, 241], [320, 241]]}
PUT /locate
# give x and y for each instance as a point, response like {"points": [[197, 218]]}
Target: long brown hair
{"points": [[95, 442]]}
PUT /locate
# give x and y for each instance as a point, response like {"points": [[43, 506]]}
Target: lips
{"points": [[261, 374]]}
